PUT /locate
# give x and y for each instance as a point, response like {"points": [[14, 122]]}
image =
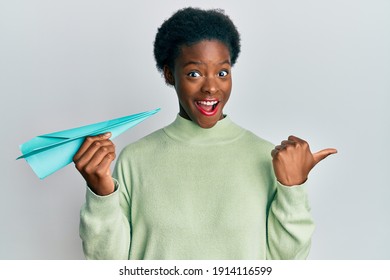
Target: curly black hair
{"points": [[192, 25]]}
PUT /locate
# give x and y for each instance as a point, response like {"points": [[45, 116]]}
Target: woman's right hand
{"points": [[93, 161]]}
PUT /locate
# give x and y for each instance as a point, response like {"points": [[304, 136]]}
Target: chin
{"points": [[206, 126], [201, 119], [208, 123]]}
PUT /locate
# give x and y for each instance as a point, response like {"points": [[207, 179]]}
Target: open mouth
{"points": [[207, 107]]}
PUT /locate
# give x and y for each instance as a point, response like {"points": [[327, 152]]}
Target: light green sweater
{"points": [[184, 192]]}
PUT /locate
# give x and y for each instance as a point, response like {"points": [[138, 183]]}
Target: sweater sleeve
{"points": [[105, 224], [289, 225]]}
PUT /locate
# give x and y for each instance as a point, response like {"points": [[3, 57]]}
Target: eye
{"points": [[223, 73], [193, 74]]}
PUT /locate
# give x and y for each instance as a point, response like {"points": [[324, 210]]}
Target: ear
{"points": [[168, 75]]}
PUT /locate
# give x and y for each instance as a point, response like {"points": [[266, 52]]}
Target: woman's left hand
{"points": [[293, 160]]}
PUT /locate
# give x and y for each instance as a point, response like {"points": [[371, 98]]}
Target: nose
{"points": [[209, 85]]}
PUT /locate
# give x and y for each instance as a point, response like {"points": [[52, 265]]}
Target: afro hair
{"points": [[189, 26]]}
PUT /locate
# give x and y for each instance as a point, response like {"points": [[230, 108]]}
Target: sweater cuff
{"points": [[292, 195], [103, 204]]}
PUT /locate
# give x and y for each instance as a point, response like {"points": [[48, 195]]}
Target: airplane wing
{"points": [[50, 152]]}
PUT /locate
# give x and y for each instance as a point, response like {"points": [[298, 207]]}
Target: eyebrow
{"points": [[200, 63]]}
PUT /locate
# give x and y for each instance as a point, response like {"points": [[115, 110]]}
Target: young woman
{"points": [[201, 187]]}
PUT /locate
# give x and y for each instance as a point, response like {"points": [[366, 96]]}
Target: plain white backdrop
{"points": [[316, 69]]}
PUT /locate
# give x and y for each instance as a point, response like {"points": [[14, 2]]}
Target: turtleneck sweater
{"points": [[184, 192]]}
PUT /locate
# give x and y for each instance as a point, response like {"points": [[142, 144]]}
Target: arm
{"points": [[104, 225], [289, 223], [104, 218]]}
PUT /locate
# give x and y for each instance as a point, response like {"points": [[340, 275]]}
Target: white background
{"points": [[316, 69]]}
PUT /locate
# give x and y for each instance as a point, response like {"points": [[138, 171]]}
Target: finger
{"points": [[318, 156], [288, 142], [298, 142], [104, 166], [295, 139], [92, 149], [95, 154], [88, 142], [277, 149]]}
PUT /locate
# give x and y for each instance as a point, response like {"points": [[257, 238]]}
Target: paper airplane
{"points": [[50, 152]]}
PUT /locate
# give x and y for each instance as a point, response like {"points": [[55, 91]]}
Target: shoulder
{"points": [[257, 140], [146, 144], [253, 141]]}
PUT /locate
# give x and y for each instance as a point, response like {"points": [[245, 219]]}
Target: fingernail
{"points": [[107, 134]]}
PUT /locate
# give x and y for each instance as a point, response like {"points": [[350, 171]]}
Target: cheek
{"points": [[186, 88], [227, 88], [183, 94]]}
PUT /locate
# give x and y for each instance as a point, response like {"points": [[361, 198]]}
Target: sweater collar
{"points": [[184, 130]]}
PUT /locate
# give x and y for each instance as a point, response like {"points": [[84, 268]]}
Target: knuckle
{"points": [[277, 158], [88, 169], [101, 172], [79, 166], [110, 156], [96, 144], [281, 154], [109, 143], [290, 147]]}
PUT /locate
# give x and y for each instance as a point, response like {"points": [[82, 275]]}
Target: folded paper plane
{"points": [[50, 152]]}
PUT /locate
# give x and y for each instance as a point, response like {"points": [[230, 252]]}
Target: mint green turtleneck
{"points": [[184, 192]]}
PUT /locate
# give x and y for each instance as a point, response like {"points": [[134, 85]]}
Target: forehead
{"points": [[207, 51]]}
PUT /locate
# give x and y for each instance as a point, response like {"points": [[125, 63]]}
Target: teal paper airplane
{"points": [[50, 152]]}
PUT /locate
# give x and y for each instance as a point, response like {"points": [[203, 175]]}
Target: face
{"points": [[202, 79]]}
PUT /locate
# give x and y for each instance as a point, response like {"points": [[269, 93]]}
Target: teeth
{"points": [[208, 103]]}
